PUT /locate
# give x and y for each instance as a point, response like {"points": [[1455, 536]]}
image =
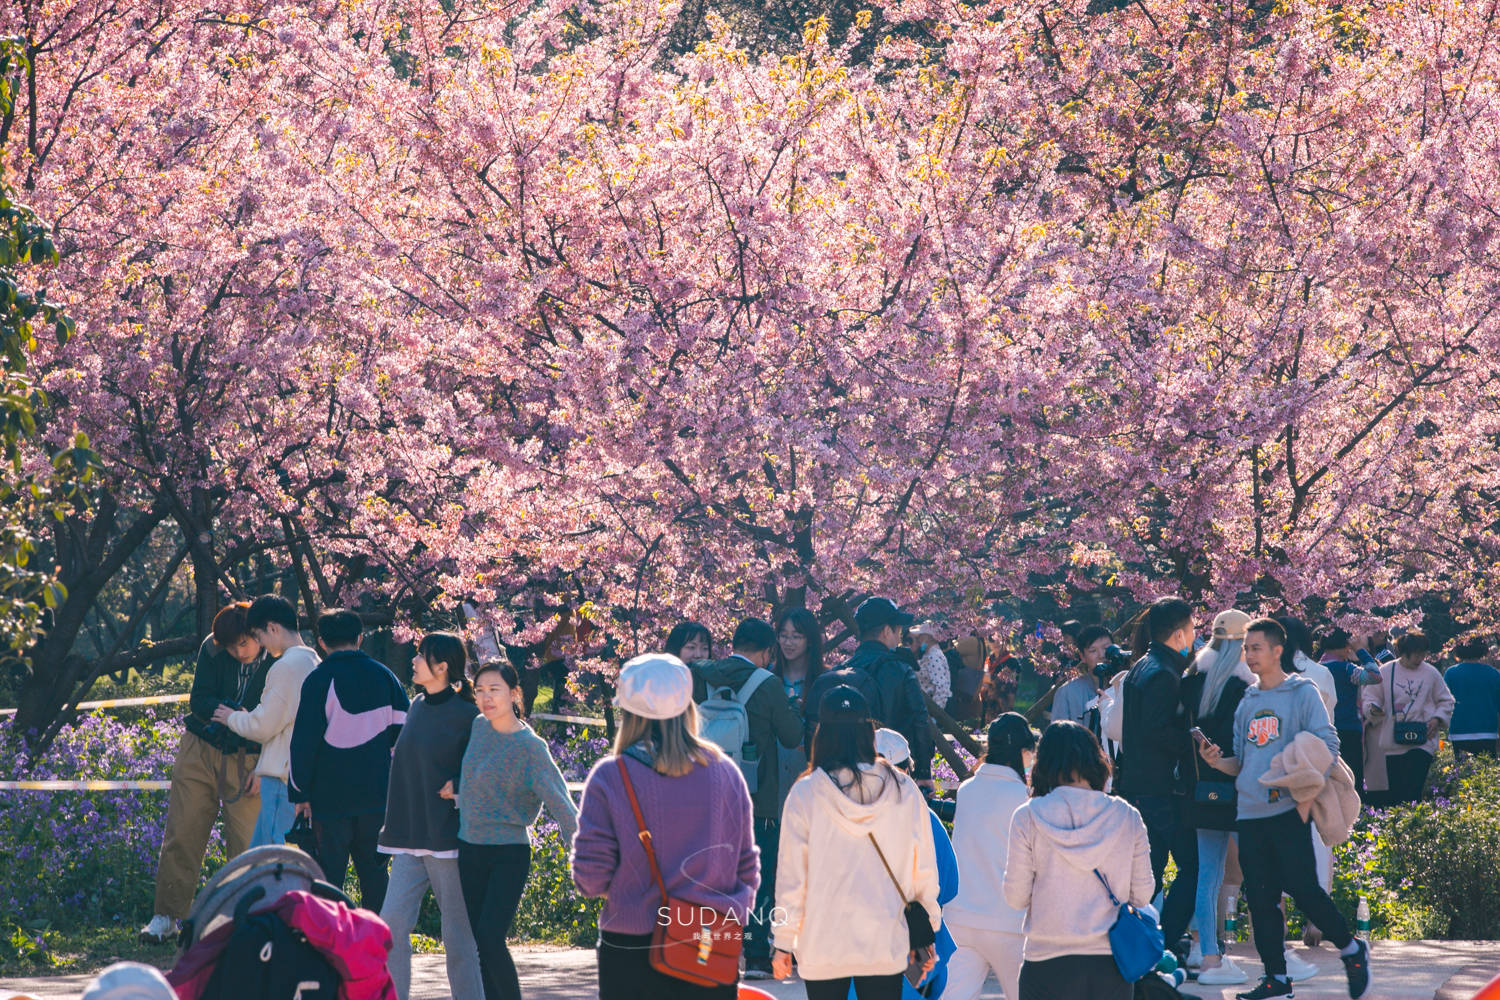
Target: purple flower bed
{"points": [[72, 859]]}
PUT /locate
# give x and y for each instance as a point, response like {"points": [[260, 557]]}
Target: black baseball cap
{"points": [[1012, 730], [843, 704], [878, 612]]}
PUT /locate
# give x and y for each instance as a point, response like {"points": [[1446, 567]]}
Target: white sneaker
{"points": [[160, 930], [1298, 969], [1195, 956], [1227, 974]]}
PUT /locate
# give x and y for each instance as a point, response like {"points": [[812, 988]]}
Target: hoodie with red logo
{"points": [[1265, 723]]}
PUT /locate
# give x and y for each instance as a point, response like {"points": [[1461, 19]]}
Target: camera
{"points": [[1115, 660], [217, 732]]}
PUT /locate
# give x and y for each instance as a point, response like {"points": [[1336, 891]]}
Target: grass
{"points": [[84, 951]]}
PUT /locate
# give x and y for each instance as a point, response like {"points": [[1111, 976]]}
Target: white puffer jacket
{"points": [[981, 839]]}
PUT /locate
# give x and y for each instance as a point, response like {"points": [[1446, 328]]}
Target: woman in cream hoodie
{"points": [[1410, 690], [1067, 831], [839, 911], [985, 928]]}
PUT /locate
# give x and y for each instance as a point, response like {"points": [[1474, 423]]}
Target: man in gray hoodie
{"points": [[1275, 841]]}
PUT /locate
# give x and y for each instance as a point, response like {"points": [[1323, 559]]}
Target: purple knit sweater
{"points": [[700, 824]]}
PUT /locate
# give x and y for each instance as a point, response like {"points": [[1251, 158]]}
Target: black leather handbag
{"points": [[1215, 791]]}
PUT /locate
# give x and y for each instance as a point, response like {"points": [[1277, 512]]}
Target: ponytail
{"points": [[1008, 754], [448, 649]]}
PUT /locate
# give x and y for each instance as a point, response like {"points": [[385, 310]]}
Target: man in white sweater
{"points": [[273, 622]]}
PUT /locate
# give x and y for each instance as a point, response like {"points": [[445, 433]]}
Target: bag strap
{"points": [[1103, 881], [1396, 714], [645, 834], [758, 676], [899, 891]]}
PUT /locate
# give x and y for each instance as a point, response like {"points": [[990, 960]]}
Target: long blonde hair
{"points": [[678, 748]]}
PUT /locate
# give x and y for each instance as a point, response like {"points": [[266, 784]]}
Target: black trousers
{"points": [[1074, 977], [1463, 748], [758, 934], [625, 973], [1352, 749], [865, 988], [341, 838], [1276, 855], [1170, 829], [1408, 775], [493, 877]]}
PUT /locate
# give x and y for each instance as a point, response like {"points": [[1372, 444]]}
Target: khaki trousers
{"points": [[194, 803]]}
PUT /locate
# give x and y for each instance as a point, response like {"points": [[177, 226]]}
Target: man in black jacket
{"points": [[1154, 743], [887, 681], [348, 719]]}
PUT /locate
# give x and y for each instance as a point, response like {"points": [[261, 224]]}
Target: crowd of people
{"points": [[769, 802]]}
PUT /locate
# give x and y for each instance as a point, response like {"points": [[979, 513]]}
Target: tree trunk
{"points": [[199, 531], [89, 553]]}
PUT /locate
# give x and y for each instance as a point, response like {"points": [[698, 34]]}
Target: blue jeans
{"points": [[1213, 851], [276, 813]]}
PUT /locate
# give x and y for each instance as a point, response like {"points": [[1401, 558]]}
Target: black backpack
{"points": [[861, 680], [267, 960]]}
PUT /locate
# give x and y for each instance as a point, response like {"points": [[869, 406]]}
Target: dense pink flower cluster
{"points": [[467, 301]]}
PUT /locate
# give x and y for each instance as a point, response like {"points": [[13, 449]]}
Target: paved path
{"points": [[1404, 970]]}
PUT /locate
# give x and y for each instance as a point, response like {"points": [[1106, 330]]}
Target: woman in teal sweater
{"points": [[508, 774]]}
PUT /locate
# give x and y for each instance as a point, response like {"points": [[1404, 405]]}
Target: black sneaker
{"points": [[757, 970], [1357, 968], [1270, 986]]}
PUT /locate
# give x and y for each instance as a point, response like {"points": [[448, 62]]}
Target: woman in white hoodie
{"points": [[987, 929], [843, 917], [1062, 842]]}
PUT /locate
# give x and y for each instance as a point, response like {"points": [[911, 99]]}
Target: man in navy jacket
{"points": [[351, 712]]}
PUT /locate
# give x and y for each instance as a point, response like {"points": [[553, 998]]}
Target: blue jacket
{"points": [[1348, 678], [351, 713], [1476, 689]]}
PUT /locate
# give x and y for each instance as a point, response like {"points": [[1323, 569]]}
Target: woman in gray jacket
{"points": [[1069, 830]]}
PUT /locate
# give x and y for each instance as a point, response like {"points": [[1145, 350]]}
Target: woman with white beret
{"points": [[693, 800]]}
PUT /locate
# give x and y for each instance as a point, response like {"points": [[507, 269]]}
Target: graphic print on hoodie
{"points": [[1265, 723]]}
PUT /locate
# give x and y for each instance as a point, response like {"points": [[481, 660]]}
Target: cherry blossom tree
{"points": [[430, 303]]}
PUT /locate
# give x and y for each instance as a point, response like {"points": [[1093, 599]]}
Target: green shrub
{"points": [[1430, 870]]}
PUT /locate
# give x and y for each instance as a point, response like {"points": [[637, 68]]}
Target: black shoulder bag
{"points": [[1215, 792]]}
